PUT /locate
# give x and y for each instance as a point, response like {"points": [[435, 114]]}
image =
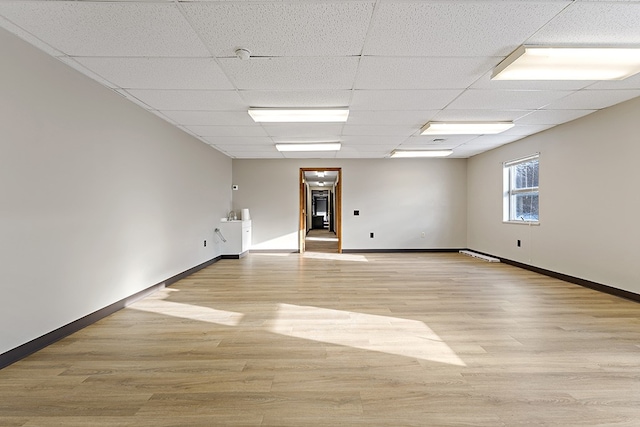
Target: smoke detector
{"points": [[243, 54]]}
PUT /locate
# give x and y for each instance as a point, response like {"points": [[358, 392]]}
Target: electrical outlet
{"points": [[519, 244], [205, 243], [371, 235]]}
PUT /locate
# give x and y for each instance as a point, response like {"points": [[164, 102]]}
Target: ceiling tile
{"points": [[479, 115], [505, 99], [154, 112], [456, 28], [376, 100], [592, 99], [485, 82], [299, 98], [238, 141], [73, 63], [310, 29], [423, 60], [601, 23], [210, 118], [380, 148], [257, 155], [552, 117], [326, 131], [190, 99], [524, 130], [309, 154], [465, 153], [493, 140], [107, 29], [159, 73], [138, 102], [375, 130], [421, 73], [448, 141], [632, 82], [411, 118], [28, 37], [354, 153], [439, 146], [237, 148], [373, 140], [255, 130], [297, 73]]}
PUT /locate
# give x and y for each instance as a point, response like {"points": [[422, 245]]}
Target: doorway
{"points": [[320, 210]]}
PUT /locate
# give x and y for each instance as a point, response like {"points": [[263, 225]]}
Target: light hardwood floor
{"points": [[343, 340], [321, 241]]}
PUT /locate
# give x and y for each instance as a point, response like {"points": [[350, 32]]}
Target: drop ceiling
{"points": [[328, 179], [395, 64]]}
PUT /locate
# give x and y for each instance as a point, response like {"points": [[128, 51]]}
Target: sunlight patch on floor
{"points": [[391, 335], [322, 239], [335, 257], [384, 334], [272, 254], [188, 311]]}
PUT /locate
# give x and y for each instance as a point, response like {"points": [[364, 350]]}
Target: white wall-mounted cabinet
{"points": [[238, 236]]}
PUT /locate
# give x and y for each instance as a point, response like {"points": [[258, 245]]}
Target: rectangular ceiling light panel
{"points": [[465, 128], [299, 115], [327, 146], [568, 63], [396, 154]]}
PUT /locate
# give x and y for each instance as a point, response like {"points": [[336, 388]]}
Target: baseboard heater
{"points": [[477, 255]]}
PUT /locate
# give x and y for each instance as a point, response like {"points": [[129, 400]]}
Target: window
{"points": [[521, 192]]}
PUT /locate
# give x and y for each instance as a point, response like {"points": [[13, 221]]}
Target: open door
{"points": [[336, 210], [302, 231]]}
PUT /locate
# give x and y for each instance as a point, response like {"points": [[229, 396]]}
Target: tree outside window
{"points": [[521, 178]]}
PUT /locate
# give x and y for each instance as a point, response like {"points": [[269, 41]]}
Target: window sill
{"points": [[536, 223]]}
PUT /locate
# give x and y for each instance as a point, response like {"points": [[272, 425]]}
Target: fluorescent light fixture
{"points": [[326, 146], [568, 63], [299, 115], [396, 154], [321, 184], [464, 128], [320, 174]]}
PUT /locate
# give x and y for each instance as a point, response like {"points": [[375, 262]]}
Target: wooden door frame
{"points": [[302, 229]]}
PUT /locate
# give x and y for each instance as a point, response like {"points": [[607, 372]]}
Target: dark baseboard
{"points": [[235, 256], [576, 280], [274, 251], [389, 251], [571, 279], [39, 343]]}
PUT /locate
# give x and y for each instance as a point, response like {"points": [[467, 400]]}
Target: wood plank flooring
{"points": [[318, 240], [343, 339]]}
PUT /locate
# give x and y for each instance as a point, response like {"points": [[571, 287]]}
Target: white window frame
{"points": [[508, 214]]}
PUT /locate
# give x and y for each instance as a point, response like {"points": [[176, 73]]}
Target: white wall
{"points": [[398, 199], [99, 199], [589, 202]]}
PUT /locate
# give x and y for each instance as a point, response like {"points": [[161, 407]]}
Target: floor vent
{"points": [[477, 255]]}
